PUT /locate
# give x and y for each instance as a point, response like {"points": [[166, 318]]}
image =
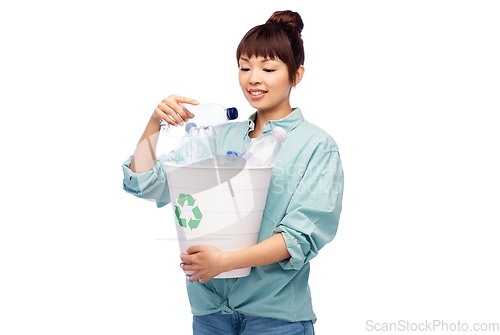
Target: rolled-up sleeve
{"points": [[148, 185], [313, 214]]}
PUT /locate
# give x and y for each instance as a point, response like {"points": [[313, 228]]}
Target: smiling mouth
{"points": [[256, 94]]}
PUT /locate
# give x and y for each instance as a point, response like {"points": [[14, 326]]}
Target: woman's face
{"points": [[265, 83]]}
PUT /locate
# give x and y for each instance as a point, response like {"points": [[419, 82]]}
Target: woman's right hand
{"points": [[172, 111]]}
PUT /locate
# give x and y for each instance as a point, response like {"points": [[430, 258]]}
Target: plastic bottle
{"points": [[208, 114], [198, 145], [265, 148], [203, 143], [231, 159], [183, 151]]}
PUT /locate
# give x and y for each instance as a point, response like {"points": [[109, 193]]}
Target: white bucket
{"points": [[219, 206]]}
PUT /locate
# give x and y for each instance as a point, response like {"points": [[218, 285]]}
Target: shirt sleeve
{"points": [[148, 185], [312, 216]]}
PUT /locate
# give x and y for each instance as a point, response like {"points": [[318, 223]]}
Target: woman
{"points": [[303, 204]]}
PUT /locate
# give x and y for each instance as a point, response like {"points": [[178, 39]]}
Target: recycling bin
{"points": [[218, 205]]}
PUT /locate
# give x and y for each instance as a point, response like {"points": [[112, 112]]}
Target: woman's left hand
{"points": [[205, 260]]}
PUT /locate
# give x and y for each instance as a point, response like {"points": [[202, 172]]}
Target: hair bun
{"points": [[288, 18]]}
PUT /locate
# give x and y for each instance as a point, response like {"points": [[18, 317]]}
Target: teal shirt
{"points": [[304, 203]]}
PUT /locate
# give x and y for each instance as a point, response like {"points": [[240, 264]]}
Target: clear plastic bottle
{"points": [[183, 151], [198, 145], [231, 159], [265, 148], [207, 114], [203, 143]]}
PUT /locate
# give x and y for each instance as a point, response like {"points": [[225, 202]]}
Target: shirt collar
{"points": [[288, 123]]}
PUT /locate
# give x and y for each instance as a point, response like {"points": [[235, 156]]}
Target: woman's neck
{"points": [[265, 115]]}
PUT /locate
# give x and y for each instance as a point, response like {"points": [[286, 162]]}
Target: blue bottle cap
{"points": [[232, 153], [232, 113], [189, 125]]}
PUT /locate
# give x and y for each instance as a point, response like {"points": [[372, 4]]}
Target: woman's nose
{"points": [[255, 79]]}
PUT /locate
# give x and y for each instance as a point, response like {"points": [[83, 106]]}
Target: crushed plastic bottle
{"points": [[183, 151], [265, 148], [203, 143]]}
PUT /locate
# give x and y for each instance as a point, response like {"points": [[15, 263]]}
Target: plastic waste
{"points": [[265, 148], [200, 144], [206, 114], [231, 159], [183, 151], [203, 143]]}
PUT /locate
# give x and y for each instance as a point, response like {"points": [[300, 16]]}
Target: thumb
{"points": [[194, 249], [188, 112]]}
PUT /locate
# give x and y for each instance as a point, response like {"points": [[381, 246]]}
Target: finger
{"points": [[194, 249], [203, 280], [185, 258], [188, 113], [187, 267], [178, 100], [169, 114], [185, 100], [173, 109], [181, 111], [161, 115], [194, 277]]}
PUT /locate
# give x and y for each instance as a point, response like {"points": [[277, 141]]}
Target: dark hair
{"points": [[279, 38]]}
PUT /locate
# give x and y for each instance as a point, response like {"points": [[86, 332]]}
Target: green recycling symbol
{"points": [[186, 212]]}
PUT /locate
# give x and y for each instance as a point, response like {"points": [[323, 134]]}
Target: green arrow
{"points": [[178, 212], [193, 224], [182, 199], [190, 200], [197, 213]]}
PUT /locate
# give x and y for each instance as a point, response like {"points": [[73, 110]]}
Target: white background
{"points": [[408, 89]]}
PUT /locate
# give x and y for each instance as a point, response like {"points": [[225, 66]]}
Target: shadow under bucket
{"points": [[218, 205]]}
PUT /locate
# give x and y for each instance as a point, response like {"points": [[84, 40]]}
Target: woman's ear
{"points": [[299, 74]]}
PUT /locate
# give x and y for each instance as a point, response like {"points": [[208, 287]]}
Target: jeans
{"points": [[237, 323]]}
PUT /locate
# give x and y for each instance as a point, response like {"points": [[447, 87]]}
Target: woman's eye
{"points": [[269, 70], [244, 69]]}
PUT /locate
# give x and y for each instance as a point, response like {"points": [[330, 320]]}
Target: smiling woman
{"points": [[302, 208]]}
